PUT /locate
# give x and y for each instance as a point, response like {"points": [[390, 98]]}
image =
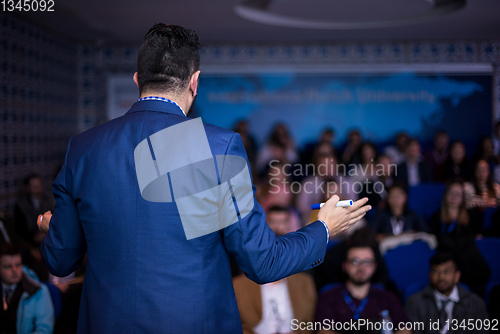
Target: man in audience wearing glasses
{"points": [[358, 301]]}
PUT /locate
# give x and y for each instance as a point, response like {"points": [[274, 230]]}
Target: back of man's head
{"points": [[167, 58]]}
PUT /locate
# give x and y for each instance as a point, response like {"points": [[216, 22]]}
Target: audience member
{"points": [[357, 298], [457, 165], [280, 146], [453, 218], [397, 153], [276, 191], [270, 308], [438, 154], [397, 217], [376, 188], [30, 204], [444, 302], [27, 307], [330, 271], [351, 154], [243, 129], [414, 170], [481, 192], [366, 169], [456, 228], [326, 139], [325, 167], [486, 152]]}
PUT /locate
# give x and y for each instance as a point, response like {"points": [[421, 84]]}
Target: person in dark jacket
{"points": [[456, 228], [414, 170], [397, 218], [443, 304]]}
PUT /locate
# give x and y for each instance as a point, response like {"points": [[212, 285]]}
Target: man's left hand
{"points": [[43, 221]]}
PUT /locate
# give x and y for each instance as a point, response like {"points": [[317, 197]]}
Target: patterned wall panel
{"points": [[37, 104]]}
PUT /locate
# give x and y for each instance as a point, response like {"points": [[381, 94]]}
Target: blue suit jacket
{"points": [[143, 275]]}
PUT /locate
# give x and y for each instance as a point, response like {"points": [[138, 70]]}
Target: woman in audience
{"points": [[482, 192], [456, 230], [366, 169], [453, 217], [456, 165], [396, 218]]}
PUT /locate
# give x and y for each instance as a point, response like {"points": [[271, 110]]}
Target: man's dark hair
{"points": [[167, 58], [442, 257], [8, 249], [363, 238]]}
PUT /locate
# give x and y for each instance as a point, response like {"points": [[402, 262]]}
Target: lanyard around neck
{"points": [[355, 310]]}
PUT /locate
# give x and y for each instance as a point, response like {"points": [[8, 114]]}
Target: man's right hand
{"points": [[339, 219]]}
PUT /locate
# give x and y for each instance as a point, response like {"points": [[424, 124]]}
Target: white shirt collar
{"points": [[454, 297], [157, 98]]}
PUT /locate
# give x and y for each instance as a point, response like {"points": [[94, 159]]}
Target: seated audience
{"points": [[486, 152], [30, 204], [444, 300], [453, 218], [457, 165], [357, 298], [397, 217], [325, 167], [456, 228], [397, 153], [276, 191], [481, 193], [242, 128], [326, 140], [270, 308], [330, 271], [27, 307], [438, 154], [280, 146], [376, 189], [414, 170], [351, 153], [366, 169]]}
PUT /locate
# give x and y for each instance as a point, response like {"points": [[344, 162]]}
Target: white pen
{"points": [[318, 206]]}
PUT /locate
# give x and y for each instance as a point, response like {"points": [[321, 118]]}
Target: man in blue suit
{"points": [[143, 274]]}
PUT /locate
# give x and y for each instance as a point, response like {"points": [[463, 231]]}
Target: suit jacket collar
{"points": [[158, 106]]}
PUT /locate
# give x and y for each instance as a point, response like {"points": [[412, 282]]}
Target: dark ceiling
{"points": [[126, 21]]}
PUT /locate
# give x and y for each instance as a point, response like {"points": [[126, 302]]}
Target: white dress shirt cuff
{"points": [[327, 231]]}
